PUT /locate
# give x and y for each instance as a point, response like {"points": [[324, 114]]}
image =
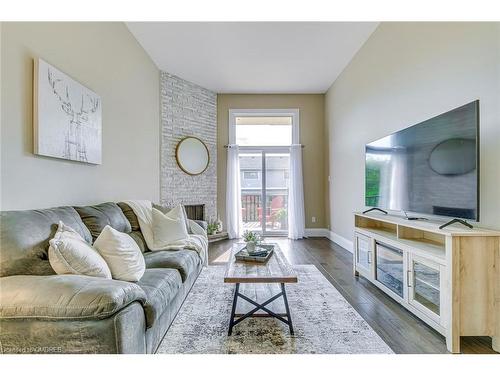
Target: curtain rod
{"points": [[226, 146]]}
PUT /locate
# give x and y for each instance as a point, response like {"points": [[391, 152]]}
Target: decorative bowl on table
{"points": [[251, 247]]}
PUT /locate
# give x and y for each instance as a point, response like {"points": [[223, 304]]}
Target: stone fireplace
{"points": [[187, 110]]}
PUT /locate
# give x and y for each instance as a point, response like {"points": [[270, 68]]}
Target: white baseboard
{"points": [[338, 239], [316, 232], [342, 241]]}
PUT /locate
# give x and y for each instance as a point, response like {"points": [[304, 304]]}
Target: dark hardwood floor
{"points": [[400, 329]]}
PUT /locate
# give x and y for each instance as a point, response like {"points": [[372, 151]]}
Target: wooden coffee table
{"points": [[275, 270]]}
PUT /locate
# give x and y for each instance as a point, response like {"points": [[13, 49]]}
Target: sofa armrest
{"points": [[65, 297]]}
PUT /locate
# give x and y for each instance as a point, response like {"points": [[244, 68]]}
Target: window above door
{"points": [[263, 127]]}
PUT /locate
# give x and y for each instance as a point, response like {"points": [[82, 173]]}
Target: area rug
{"points": [[323, 320]]}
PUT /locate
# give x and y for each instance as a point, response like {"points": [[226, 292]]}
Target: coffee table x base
{"points": [[238, 318]]}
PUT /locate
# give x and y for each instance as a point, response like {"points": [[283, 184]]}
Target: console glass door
{"points": [[363, 253], [425, 284], [389, 270]]}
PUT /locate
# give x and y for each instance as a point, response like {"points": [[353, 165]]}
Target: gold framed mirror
{"points": [[192, 155]]}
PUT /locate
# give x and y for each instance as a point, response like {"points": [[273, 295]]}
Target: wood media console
{"points": [[449, 278]]}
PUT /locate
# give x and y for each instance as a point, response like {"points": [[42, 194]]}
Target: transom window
{"points": [[264, 131], [263, 128]]}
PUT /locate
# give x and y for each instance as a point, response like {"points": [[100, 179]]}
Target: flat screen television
{"points": [[429, 168]]}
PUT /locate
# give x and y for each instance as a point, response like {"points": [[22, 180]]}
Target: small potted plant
{"points": [[252, 239], [212, 227]]}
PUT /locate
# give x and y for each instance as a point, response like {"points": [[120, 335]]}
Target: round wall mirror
{"points": [[453, 157], [192, 155]]}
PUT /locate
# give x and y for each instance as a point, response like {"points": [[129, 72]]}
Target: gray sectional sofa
{"points": [[41, 312]]}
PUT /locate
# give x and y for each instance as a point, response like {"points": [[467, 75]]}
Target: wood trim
{"points": [[453, 337], [261, 279]]}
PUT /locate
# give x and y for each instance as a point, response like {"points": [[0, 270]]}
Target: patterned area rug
{"points": [[323, 320]]}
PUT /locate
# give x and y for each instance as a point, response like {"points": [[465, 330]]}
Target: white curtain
{"points": [[296, 216], [233, 193]]}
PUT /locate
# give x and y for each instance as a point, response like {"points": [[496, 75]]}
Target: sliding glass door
{"points": [[264, 191], [251, 175], [277, 173], [264, 138]]}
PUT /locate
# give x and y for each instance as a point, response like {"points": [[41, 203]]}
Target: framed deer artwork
{"points": [[67, 118]]}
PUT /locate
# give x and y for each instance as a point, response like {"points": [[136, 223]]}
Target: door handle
{"points": [[408, 278], [369, 256]]}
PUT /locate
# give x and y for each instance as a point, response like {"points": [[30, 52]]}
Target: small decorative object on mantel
{"points": [[252, 239], [214, 231], [219, 224], [67, 120], [212, 227]]}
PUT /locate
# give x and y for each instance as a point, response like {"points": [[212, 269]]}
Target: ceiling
{"points": [[254, 57]]}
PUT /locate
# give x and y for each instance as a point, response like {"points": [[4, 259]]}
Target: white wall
{"points": [[406, 73], [106, 58]]}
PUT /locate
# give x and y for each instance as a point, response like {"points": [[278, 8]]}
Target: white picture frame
{"points": [[67, 116]]}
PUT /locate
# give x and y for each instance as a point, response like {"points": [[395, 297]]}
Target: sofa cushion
{"points": [[65, 296], [130, 215], [139, 240], [98, 216], [160, 286], [25, 235], [185, 261], [136, 233]]}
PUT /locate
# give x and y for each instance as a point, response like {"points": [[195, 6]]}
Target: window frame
{"points": [[291, 112]]}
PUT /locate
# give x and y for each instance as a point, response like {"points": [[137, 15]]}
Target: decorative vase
{"points": [[251, 247]]}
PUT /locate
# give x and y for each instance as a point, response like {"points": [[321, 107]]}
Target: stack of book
{"points": [[259, 252]]}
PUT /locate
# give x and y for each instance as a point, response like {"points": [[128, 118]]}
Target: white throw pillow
{"points": [[69, 253], [122, 254], [169, 227]]}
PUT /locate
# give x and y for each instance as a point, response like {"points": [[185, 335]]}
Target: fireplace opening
{"points": [[195, 211]]}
